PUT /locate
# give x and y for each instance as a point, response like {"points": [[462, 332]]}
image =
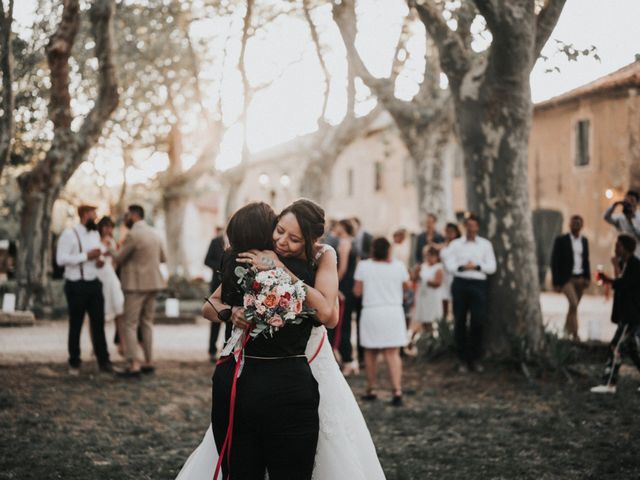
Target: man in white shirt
{"points": [[79, 253], [629, 221], [470, 259]]}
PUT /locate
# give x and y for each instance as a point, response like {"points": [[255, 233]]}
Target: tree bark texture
{"points": [[42, 185], [493, 111], [425, 123], [7, 125]]}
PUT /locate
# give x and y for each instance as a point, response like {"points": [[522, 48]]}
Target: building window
{"points": [[377, 182], [408, 172], [582, 143], [350, 182]]}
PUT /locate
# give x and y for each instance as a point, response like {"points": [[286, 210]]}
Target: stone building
{"points": [[584, 154]]}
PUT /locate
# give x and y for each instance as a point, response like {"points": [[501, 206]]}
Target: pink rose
{"points": [[284, 302], [276, 321]]}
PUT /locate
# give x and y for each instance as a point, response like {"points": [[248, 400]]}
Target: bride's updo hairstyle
{"points": [[251, 227], [310, 217]]}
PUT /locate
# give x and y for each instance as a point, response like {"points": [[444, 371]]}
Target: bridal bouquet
{"points": [[272, 300]]}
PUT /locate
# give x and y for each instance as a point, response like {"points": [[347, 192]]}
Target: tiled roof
{"points": [[626, 77]]}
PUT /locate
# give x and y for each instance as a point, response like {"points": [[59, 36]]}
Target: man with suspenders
{"points": [[79, 253]]}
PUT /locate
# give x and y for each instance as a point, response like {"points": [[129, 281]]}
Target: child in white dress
{"points": [[429, 293]]}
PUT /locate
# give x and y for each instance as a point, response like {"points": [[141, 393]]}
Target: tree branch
{"points": [[345, 18], [7, 125], [101, 15], [488, 10], [545, 23], [454, 58], [58, 53], [396, 66], [316, 42]]}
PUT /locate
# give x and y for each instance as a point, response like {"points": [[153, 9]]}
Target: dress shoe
{"points": [[603, 389], [148, 369], [477, 368], [106, 367], [127, 373], [396, 401], [462, 369]]}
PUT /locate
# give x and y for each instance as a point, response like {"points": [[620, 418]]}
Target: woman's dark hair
{"points": [[455, 227], [627, 242], [310, 218], [347, 224], [380, 248], [251, 227], [105, 222]]}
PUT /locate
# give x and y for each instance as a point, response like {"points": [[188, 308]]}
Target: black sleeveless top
{"points": [[347, 282], [289, 340]]}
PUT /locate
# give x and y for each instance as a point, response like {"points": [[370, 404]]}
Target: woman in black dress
{"points": [[275, 419]]}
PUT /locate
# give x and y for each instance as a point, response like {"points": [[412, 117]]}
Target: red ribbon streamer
{"points": [[226, 446]]}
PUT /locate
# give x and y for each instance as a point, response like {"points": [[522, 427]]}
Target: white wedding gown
{"points": [[345, 448]]}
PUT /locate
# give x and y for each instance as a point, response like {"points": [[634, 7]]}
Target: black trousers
{"points": [[470, 305], [345, 348], [85, 297], [276, 419], [213, 335], [628, 340]]}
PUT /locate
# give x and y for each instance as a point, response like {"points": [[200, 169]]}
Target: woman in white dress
{"points": [[345, 448], [111, 288], [380, 281], [430, 291]]}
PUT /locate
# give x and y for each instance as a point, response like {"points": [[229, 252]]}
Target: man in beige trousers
{"points": [[139, 260]]}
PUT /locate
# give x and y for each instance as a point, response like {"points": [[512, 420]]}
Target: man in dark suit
{"points": [[430, 236], [213, 260], [625, 312], [571, 271]]}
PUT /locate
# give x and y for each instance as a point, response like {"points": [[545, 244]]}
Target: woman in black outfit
{"points": [[275, 425]]}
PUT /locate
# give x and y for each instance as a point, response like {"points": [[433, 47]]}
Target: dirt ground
{"points": [[494, 425]]}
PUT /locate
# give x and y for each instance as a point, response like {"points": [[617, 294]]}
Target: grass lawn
{"points": [[494, 425]]}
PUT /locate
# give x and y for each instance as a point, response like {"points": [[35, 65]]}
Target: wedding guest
{"points": [[380, 282], [139, 259], [570, 271], [401, 246], [625, 312], [330, 238], [451, 232], [362, 243], [471, 260], [111, 288], [429, 236], [361, 239], [629, 220], [347, 259], [430, 284], [213, 260], [79, 251]]}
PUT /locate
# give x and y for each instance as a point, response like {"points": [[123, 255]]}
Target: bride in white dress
{"points": [[345, 449]]}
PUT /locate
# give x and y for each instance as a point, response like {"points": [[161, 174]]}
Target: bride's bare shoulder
{"points": [[324, 253]]}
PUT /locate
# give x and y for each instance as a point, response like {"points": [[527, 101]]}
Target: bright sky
{"points": [[290, 107]]}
